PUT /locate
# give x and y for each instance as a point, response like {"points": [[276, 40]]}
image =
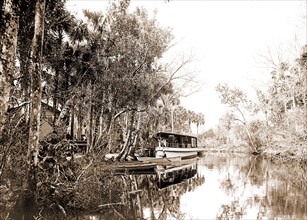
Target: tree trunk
{"points": [[132, 136], [254, 146], [172, 118], [24, 52], [72, 123], [97, 130], [125, 148], [90, 118], [127, 133], [79, 123], [24, 68], [99, 126], [305, 95], [9, 24], [36, 92], [306, 106], [136, 135], [55, 96], [110, 130]]}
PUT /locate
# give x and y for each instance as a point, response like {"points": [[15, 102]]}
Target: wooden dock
{"points": [[134, 167], [175, 161], [151, 165]]}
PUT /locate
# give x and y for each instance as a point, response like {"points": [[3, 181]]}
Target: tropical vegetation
{"points": [[100, 78], [275, 123]]}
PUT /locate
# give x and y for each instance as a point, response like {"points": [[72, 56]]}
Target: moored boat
{"points": [[170, 145]]}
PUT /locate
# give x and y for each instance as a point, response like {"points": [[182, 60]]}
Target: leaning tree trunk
{"points": [[136, 134], [132, 136], [253, 146], [36, 93], [127, 133], [9, 23]]}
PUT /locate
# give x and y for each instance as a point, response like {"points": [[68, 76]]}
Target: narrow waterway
{"points": [[242, 187], [226, 186]]}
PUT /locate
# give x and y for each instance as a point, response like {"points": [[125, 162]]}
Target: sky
{"points": [[227, 40]]}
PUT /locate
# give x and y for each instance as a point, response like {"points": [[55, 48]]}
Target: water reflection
{"points": [[165, 203], [255, 188], [236, 187]]}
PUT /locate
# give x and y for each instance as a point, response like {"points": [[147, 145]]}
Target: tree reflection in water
{"points": [[143, 198], [236, 187], [275, 190], [165, 203]]}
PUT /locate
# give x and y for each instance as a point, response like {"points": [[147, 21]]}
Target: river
{"points": [[226, 186]]}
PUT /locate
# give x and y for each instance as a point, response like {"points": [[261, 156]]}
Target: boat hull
{"points": [[170, 152]]}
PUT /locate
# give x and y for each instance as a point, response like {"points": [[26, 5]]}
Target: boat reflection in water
{"points": [[169, 175], [149, 195], [161, 200], [153, 194], [236, 187]]}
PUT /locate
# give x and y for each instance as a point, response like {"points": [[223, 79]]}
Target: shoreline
{"points": [[296, 154]]}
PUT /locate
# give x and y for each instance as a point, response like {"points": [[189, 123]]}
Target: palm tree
{"points": [[200, 120]]}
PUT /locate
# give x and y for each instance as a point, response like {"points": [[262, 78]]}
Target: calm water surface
{"points": [[225, 187], [242, 187]]}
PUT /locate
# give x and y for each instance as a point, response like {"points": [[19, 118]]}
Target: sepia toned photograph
{"points": [[153, 109]]}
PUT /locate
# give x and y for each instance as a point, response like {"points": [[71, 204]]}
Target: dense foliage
{"points": [[276, 123], [99, 78]]}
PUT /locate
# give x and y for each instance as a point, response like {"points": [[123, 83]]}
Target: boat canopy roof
{"points": [[165, 133]]}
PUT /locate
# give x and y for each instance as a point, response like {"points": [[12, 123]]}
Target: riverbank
{"points": [[287, 151], [281, 151]]}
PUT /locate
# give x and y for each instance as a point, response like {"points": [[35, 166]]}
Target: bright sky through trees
{"points": [[227, 39]]}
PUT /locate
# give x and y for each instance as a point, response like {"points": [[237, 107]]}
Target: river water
{"points": [[226, 186], [243, 187]]}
